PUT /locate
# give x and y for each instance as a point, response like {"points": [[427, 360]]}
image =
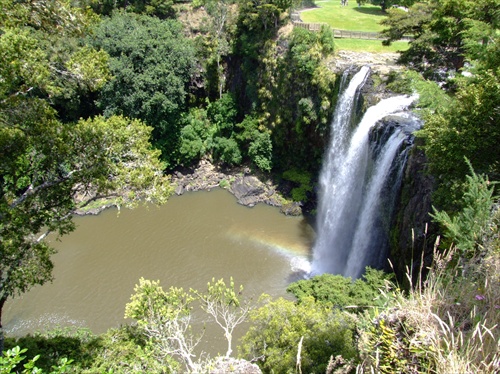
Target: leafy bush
{"points": [[280, 327], [12, 359], [303, 179], [227, 151], [222, 113], [338, 291], [467, 228], [48, 348], [196, 136], [260, 150], [125, 350], [468, 127]]}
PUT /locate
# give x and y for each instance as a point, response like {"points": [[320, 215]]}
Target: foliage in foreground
{"points": [[449, 323], [285, 336], [164, 321], [10, 362]]}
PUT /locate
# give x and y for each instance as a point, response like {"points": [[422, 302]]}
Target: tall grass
{"points": [[448, 323]]}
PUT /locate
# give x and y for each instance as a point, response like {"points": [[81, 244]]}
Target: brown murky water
{"points": [[185, 243]]}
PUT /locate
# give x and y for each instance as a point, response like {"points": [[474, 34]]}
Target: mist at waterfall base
{"points": [[360, 179]]}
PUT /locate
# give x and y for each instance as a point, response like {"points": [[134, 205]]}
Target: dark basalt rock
{"points": [[414, 232], [248, 190]]}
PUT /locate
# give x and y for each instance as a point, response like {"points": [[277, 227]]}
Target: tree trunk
{"points": [[229, 338]]}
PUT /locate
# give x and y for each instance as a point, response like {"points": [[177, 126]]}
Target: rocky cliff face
{"points": [[413, 233]]}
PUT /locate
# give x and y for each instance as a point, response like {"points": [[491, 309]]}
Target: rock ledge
{"points": [[248, 189]]}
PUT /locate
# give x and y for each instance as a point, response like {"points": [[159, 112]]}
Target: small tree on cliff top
{"points": [[165, 319]]}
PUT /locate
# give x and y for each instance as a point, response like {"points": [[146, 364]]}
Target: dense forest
{"points": [[102, 99]]}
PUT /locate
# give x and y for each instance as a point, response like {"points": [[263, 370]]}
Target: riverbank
{"points": [[249, 188]]}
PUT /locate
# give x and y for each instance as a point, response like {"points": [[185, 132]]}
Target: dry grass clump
{"points": [[448, 323]]}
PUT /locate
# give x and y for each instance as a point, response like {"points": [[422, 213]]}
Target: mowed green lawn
{"points": [[350, 17], [373, 46], [353, 18]]}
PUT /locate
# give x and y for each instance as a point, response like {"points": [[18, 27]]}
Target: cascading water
{"points": [[357, 185]]}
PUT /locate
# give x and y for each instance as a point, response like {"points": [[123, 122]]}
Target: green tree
{"points": [[386, 4], [45, 39], [48, 168], [222, 113], [261, 150], [224, 304], [443, 31], [281, 326], [151, 62], [467, 127], [227, 151], [196, 136], [461, 37], [164, 318], [159, 8], [217, 43], [296, 100]]}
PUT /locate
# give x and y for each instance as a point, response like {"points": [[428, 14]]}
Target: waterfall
{"points": [[357, 185]]}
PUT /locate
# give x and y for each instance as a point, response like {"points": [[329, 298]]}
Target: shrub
{"points": [[339, 291], [260, 151], [280, 327], [303, 179], [227, 151], [467, 228]]}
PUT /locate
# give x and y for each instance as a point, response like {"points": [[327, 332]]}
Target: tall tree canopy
{"points": [[49, 168], [443, 31], [151, 62], [159, 8]]}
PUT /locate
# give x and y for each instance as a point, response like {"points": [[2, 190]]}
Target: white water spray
{"points": [[351, 183]]}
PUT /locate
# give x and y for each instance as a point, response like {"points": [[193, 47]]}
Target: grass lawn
{"points": [[352, 18], [373, 46]]}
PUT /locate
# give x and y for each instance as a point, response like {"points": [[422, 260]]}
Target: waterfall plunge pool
{"points": [[185, 243]]}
